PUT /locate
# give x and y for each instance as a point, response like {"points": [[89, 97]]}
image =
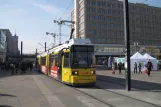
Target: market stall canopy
{"points": [[147, 56], [137, 55]]}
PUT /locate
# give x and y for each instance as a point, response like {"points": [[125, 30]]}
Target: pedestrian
{"points": [[139, 66], [23, 67], [135, 67], [17, 66], [149, 67], [12, 68], [3, 68], [113, 68], [120, 67], [31, 66]]}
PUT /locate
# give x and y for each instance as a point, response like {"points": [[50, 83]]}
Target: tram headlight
{"points": [[74, 72], [93, 72]]}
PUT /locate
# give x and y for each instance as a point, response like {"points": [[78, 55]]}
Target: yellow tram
{"points": [[71, 63]]}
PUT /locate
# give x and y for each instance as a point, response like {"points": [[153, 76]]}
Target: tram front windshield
{"points": [[82, 56]]}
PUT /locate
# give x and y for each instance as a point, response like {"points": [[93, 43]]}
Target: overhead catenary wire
{"points": [[66, 9], [55, 23]]}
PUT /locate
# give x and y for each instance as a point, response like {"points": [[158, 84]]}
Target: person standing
{"points": [[139, 66], [135, 68], [3, 68], [113, 68], [17, 66], [12, 68], [31, 66], [23, 67], [120, 67], [149, 67]]}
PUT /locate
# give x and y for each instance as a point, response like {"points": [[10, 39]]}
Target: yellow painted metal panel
{"points": [[66, 72], [84, 71], [83, 79]]}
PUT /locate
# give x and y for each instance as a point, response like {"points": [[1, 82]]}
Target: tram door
{"points": [[50, 64], [60, 66]]}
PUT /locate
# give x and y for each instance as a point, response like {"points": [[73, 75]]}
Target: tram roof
{"points": [[67, 44]]}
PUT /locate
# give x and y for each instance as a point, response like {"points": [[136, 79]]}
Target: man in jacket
{"points": [[149, 67]]}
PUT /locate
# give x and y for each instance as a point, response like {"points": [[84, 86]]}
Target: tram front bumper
{"points": [[83, 79]]}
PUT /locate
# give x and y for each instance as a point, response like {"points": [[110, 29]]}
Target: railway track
{"points": [[124, 95]]}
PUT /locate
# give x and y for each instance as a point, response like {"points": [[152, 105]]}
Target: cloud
{"points": [[48, 8]]}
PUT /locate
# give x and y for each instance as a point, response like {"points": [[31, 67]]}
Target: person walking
{"points": [[139, 66], [113, 68], [120, 67], [135, 68], [149, 67]]}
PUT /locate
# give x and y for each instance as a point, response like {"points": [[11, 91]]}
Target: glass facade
{"points": [[2, 40], [109, 49]]}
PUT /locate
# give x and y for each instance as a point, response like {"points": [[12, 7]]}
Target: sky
{"points": [[31, 19]]}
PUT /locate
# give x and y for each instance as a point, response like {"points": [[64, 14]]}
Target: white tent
{"points": [[138, 58], [137, 55], [147, 56], [152, 59]]}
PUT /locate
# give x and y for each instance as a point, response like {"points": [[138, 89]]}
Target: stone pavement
{"points": [[144, 88], [19, 90], [34, 89]]}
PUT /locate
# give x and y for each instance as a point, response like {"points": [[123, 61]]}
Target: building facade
{"points": [[3, 47], [102, 21], [12, 43]]}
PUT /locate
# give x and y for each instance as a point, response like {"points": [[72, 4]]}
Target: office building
{"points": [[103, 22], [12, 42], [3, 45]]}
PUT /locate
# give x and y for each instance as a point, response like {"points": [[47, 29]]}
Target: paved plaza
{"points": [[34, 89]]}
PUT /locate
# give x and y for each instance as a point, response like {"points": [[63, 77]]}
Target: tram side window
{"points": [[52, 60], [43, 61], [66, 60], [59, 60], [56, 60]]}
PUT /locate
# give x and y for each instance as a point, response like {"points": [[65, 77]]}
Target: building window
{"points": [[109, 19], [66, 60], [99, 17], [109, 11], [109, 26], [113, 5], [103, 3], [88, 2], [118, 6], [93, 10], [99, 3], [91, 32], [109, 5], [113, 11], [93, 3], [88, 10]]}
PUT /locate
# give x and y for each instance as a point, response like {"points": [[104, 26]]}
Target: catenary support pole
{"points": [[127, 44]]}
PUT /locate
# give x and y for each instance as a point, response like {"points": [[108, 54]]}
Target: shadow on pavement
{"points": [[5, 106], [137, 85], [7, 95]]}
